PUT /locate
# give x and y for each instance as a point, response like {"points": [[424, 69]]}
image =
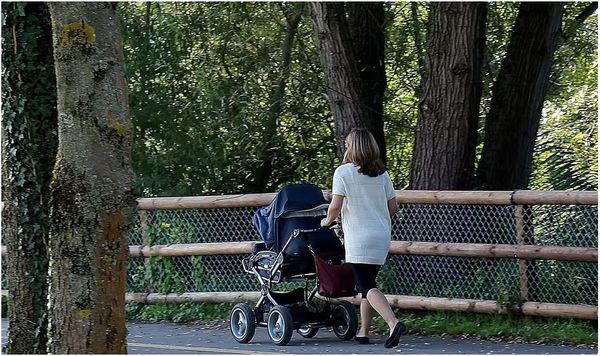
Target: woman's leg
{"points": [[378, 301], [366, 317], [362, 277], [365, 276]]}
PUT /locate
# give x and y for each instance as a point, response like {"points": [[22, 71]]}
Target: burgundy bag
{"points": [[335, 281]]}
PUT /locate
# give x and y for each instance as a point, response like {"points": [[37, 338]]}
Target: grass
{"points": [[484, 326], [499, 327], [185, 312]]}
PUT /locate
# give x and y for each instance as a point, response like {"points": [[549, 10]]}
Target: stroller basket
{"points": [[335, 280]]}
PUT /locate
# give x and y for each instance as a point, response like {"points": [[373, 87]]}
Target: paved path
{"points": [[214, 338]]}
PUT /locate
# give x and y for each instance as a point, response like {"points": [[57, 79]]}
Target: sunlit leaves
{"points": [[201, 77], [566, 154]]}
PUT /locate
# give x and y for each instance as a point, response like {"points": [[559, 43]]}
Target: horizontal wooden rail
{"points": [[579, 311], [201, 249], [192, 297], [529, 252], [453, 197], [397, 247], [518, 197], [206, 202], [558, 197], [532, 252]]}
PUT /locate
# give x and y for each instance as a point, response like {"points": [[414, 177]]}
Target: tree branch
{"points": [[587, 12], [576, 23]]}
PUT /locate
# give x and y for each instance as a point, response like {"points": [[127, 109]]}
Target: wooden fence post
{"points": [[145, 242], [523, 275], [527, 271]]}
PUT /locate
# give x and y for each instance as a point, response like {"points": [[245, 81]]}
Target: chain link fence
{"points": [[497, 279]]}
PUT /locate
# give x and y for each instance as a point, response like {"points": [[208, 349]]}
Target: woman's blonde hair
{"points": [[362, 150]]}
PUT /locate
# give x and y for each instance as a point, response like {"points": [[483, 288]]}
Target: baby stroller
{"points": [[296, 248]]}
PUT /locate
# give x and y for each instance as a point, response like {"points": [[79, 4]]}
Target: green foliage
{"points": [[29, 127], [575, 279], [405, 40], [169, 274], [567, 148], [201, 76], [566, 153], [202, 79], [388, 277]]}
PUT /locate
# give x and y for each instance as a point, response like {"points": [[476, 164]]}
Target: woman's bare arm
{"points": [[335, 207], [392, 206]]}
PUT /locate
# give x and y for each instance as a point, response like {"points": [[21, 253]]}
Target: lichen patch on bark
{"points": [[77, 34]]}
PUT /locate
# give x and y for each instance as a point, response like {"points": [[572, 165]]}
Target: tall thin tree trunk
{"points": [[92, 202], [263, 173], [29, 140], [416, 32], [518, 97], [352, 56], [446, 137]]}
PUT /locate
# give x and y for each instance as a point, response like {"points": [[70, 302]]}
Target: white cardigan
{"points": [[366, 220]]}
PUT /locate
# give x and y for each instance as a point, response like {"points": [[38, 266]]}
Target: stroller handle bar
{"points": [[297, 232]]}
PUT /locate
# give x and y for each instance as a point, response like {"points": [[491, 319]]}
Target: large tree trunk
{"points": [[446, 137], [366, 23], [350, 39], [29, 140], [518, 96], [92, 201]]}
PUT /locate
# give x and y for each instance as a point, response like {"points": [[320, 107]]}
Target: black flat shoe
{"points": [[399, 330], [361, 339]]}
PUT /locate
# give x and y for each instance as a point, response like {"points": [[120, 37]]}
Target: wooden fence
{"points": [[522, 251]]}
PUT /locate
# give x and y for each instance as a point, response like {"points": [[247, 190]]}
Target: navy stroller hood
{"points": [[291, 198]]}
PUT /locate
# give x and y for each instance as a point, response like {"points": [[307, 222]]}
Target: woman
{"points": [[363, 193]]}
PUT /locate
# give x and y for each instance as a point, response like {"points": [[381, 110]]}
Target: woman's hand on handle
{"points": [[325, 223]]}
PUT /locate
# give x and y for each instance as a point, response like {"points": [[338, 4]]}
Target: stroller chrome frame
{"points": [[282, 312]]}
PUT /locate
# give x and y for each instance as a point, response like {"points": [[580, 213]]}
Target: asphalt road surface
{"points": [[215, 338]]}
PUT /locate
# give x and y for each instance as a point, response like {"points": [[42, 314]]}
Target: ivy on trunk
{"points": [[29, 140]]}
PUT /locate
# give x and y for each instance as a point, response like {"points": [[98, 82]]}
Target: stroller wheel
{"points": [[307, 332], [242, 323], [344, 320], [280, 325]]}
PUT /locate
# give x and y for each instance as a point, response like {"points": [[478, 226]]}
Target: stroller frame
{"points": [[251, 263], [283, 312]]}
